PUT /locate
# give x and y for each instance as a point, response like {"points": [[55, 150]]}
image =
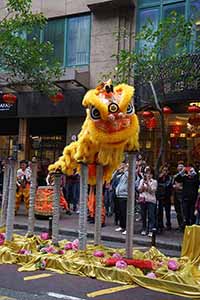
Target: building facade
{"points": [[183, 140], [82, 34]]}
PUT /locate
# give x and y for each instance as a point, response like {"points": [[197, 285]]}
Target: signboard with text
{"points": [[7, 109]]}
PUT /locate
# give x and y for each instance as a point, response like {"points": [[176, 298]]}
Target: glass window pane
{"points": [[78, 41], [148, 2], [195, 14], [145, 16], [34, 34], [54, 33], [179, 8]]}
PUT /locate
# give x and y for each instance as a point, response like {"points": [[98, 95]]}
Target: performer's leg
{"points": [[19, 196], [26, 194]]}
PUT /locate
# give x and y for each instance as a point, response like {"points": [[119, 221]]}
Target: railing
{"points": [[177, 81]]}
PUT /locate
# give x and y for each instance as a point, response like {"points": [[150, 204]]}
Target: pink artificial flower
{"points": [[151, 275], [173, 265], [44, 236], [2, 236], [68, 246], [51, 249], [161, 263], [61, 251], [121, 264], [117, 256], [98, 253], [24, 251], [75, 244], [44, 249]]}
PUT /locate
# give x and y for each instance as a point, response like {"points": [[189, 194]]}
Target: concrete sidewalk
{"points": [[171, 240]]}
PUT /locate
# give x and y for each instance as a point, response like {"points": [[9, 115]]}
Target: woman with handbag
{"points": [[147, 199]]}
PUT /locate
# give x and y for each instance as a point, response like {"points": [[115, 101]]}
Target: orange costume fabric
{"points": [[23, 192], [92, 205]]}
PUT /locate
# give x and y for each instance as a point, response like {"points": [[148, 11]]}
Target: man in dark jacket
{"points": [[190, 183]]}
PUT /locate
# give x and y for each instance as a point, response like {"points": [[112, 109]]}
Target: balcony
{"points": [[175, 84], [96, 5]]}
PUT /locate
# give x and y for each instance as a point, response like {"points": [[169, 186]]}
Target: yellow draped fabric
{"points": [[183, 282], [191, 243]]}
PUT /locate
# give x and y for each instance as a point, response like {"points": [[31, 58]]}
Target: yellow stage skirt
{"points": [[183, 282]]}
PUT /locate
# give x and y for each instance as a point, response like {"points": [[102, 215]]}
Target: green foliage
{"points": [[158, 49], [24, 61]]}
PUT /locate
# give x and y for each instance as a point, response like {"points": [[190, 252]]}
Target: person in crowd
{"points": [[2, 166], [163, 195], [42, 174], [107, 192], [147, 199], [71, 189], [178, 196], [114, 182], [138, 177], [190, 181], [23, 185], [197, 209], [121, 197]]}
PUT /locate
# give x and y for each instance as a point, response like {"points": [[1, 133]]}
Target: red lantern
{"points": [[147, 114], [193, 109], [194, 120], [167, 110], [9, 98], [176, 129], [59, 97], [151, 123]]}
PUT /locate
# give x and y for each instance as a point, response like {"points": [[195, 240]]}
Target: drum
{"points": [[44, 201]]}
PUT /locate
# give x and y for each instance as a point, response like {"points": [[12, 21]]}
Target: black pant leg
{"points": [[186, 211], [168, 212], [122, 208]]}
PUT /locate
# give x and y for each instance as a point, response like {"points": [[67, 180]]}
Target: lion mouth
{"points": [[111, 127]]}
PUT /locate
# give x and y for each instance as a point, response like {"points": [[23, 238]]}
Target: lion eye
{"points": [[130, 109], [113, 107], [95, 113]]}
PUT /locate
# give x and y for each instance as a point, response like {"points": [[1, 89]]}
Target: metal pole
{"points": [[31, 215], [50, 228], [11, 200], [4, 204], [56, 208], [99, 191], [130, 204], [83, 206]]}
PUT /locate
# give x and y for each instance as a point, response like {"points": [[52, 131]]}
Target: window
{"points": [[148, 2], [178, 7], [78, 41], [145, 16], [157, 10], [70, 38], [195, 14], [54, 33]]}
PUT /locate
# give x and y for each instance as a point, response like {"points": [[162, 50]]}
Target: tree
{"points": [[160, 63], [24, 62]]}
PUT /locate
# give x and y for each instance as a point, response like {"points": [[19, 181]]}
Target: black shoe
{"points": [[92, 221], [168, 228], [68, 212], [103, 225]]}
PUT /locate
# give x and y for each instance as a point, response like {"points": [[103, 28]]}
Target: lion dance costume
{"points": [[110, 129]]}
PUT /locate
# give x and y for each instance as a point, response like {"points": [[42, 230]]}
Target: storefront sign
{"points": [[7, 109]]}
